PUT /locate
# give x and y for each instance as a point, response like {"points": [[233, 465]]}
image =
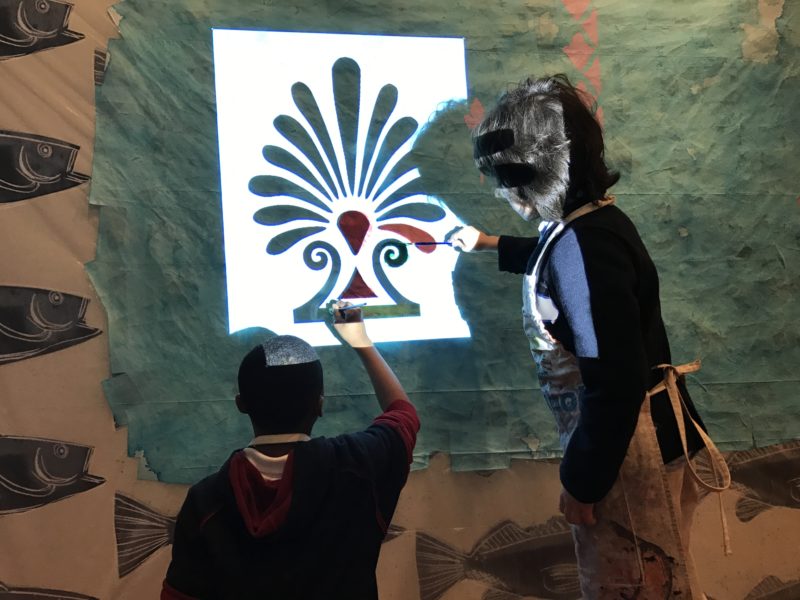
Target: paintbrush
{"points": [[428, 243], [343, 308]]}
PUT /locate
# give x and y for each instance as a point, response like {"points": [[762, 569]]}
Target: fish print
{"points": [[392, 533], [28, 26], [35, 472], [9, 593], [514, 562], [35, 321], [140, 532], [35, 165], [772, 588], [101, 60], [767, 477]]}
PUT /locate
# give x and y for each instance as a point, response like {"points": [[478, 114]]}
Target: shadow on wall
{"points": [[495, 362]]}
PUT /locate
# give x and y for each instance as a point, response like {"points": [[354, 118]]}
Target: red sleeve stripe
{"points": [[170, 593], [402, 417]]}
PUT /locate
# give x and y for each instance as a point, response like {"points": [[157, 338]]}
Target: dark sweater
{"points": [[605, 288], [314, 534]]}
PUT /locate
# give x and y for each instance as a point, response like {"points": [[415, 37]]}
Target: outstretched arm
{"points": [[513, 252], [469, 239]]}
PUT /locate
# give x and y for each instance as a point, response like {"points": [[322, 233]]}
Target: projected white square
{"points": [[320, 196]]}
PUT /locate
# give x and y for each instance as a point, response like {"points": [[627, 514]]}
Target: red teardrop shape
{"points": [[354, 226], [357, 288]]}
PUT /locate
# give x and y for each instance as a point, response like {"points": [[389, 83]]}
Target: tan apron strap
{"points": [[722, 475]]}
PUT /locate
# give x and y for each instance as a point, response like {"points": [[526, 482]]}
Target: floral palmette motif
{"points": [[335, 194]]}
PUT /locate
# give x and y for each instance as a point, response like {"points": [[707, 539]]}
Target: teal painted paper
{"points": [[703, 128]]}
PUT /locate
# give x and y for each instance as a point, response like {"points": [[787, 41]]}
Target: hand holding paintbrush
{"points": [[348, 323]]}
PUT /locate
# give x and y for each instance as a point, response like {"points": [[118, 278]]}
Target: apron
{"points": [[639, 546]]}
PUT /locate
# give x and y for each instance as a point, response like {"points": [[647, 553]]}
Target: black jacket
{"points": [[315, 534], [605, 288]]}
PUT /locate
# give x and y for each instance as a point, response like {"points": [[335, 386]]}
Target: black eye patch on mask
{"points": [[492, 142], [511, 175]]}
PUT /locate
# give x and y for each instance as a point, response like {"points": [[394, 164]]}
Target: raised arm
{"points": [[398, 415], [349, 325]]}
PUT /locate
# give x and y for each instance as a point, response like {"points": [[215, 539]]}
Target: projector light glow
{"points": [[320, 196]]}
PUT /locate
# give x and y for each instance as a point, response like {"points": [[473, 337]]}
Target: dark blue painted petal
{"points": [[283, 241], [347, 96], [417, 210], [284, 159], [284, 213], [384, 106], [412, 188], [307, 105], [295, 133], [271, 185], [398, 134]]}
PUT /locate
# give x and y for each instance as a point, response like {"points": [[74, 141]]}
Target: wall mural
{"points": [[101, 60], [340, 198], [20, 593], [769, 478], [514, 562], [384, 212], [35, 165], [766, 477], [140, 532], [35, 472], [772, 588], [35, 321], [325, 150], [28, 26]]}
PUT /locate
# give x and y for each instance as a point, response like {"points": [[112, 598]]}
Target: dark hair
{"points": [[279, 398], [589, 176]]}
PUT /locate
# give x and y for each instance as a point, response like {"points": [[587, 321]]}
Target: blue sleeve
{"points": [[594, 277]]}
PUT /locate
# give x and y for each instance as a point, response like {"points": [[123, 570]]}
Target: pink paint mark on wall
{"points": [[590, 100], [473, 118], [600, 116], [590, 27], [593, 75], [476, 114], [579, 51], [588, 97], [576, 7]]}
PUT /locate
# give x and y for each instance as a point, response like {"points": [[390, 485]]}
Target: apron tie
{"points": [[722, 475]]}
